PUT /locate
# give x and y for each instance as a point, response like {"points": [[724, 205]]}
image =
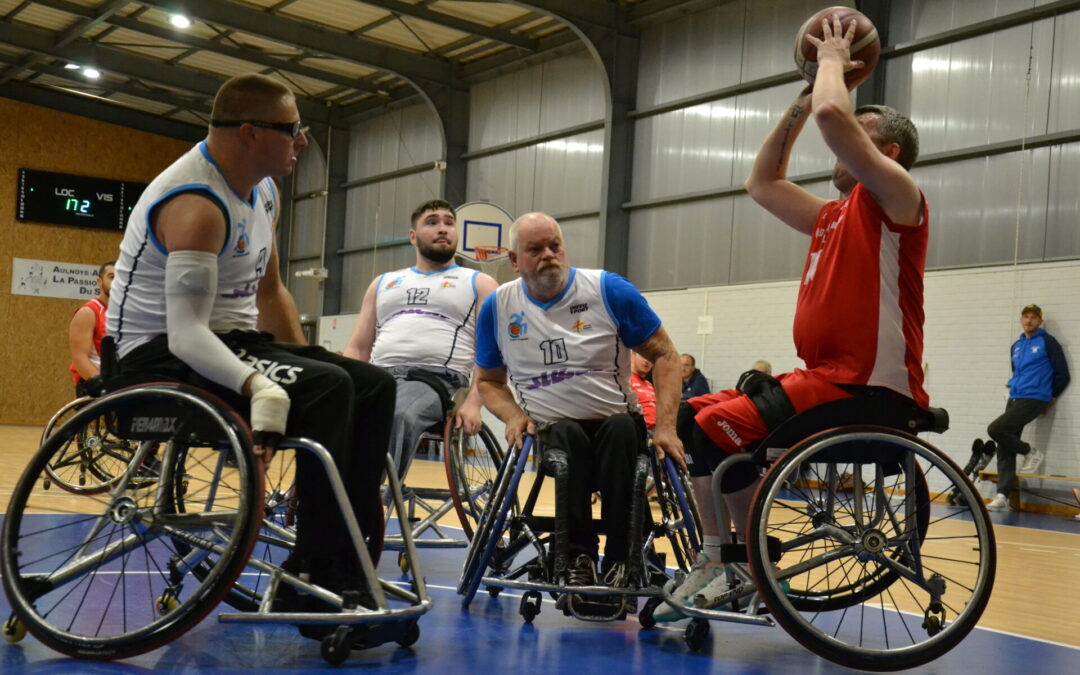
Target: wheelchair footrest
{"points": [[736, 553]]}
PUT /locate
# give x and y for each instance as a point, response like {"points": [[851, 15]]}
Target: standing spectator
{"points": [[1039, 375], [86, 329], [693, 382]]}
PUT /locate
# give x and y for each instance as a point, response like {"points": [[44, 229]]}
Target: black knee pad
{"points": [[739, 476], [768, 396]]}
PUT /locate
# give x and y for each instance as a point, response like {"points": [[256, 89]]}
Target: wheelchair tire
{"points": [[677, 502], [874, 582], [89, 574], [91, 465], [472, 466]]}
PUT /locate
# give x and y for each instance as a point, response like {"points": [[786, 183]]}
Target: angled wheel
{"points": [[89, 574], [679, 519], [96, 461], [870, 575], [472, 466]]}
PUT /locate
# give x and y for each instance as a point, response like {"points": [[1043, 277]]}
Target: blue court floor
{"points": [[490, 637]]}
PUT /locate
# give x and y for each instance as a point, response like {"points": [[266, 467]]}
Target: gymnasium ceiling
{"points": [[344, 58]]}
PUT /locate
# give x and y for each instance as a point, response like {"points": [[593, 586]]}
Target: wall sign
{"points": [[80, 201], [52, 279]]}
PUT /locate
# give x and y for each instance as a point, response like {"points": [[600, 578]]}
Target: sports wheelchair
{"points": [[845, 547], [470, 463], [508, 527], [136, 562]]}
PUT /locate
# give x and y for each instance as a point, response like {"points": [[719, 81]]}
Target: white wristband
{"points": [[269, 405]]}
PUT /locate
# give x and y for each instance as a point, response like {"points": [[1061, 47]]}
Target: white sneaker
{"points": [[701, 575], [1032, 461], [999, 503]]}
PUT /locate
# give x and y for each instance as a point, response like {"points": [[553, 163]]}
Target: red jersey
{"points": [[859, 316], [646, 396], [99, 332]]}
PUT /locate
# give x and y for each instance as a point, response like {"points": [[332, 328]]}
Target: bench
{"points": [[1059, 506]]}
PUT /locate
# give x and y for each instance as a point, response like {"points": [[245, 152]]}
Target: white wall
{"points": [[972, 318]]}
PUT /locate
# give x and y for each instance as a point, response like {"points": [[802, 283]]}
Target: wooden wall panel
{"points": [[34, 348]]}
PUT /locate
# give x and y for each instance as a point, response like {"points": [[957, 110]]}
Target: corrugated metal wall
{"points": [[559, 176], [377, 214], [306, 233], [962, 96]]}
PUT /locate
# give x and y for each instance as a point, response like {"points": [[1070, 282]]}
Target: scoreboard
{"points": [[80, 201]]}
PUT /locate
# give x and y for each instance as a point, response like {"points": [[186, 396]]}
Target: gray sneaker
{"points": [[1032, 461]]}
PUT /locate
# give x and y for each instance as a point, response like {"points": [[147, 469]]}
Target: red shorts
{"points": [[731, 420]]}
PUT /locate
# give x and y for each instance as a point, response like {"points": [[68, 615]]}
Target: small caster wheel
{"points": [[645, 614], [494, 591], [932, 624], [46, 483], [403, 561], [335, 646], [696, 633], [410, 636], [530, 606], [14, 629], [166, 604]]}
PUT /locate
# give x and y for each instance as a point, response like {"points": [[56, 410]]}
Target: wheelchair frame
{"points": [[681, 528], [154, 511], [866, 538]]}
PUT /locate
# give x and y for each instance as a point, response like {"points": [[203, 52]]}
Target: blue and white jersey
{"points": [[137, 302], [426, 319], [568, 358]]}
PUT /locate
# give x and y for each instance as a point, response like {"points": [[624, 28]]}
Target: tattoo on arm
{"points": [[795, 112]]}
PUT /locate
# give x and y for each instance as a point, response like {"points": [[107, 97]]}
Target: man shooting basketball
{"points": [[864, 271]]}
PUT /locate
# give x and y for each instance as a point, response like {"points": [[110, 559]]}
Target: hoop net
{"points": [[485, 253]]}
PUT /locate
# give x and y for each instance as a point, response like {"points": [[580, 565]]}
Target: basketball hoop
{"points": [[485, 253]]}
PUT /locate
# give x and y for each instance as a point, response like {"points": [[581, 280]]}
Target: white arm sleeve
{"points": [[190, 288]]}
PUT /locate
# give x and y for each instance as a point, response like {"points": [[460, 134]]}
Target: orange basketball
{"points": [[865, 45]]}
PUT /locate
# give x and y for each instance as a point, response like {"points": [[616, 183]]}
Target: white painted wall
{"points": [[972, 318]]}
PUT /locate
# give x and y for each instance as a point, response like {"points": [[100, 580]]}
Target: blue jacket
{"points": [[1039, 368]]}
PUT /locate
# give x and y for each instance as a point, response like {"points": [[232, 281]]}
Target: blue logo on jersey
{"points": [[395, 282], [242, 239], [517, 328]]}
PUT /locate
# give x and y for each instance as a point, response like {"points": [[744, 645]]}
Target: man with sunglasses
{"points": [[198, 299]]}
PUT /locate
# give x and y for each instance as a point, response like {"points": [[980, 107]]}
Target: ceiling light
{"points": [[71, 66], [92, 73], [179, 20]]}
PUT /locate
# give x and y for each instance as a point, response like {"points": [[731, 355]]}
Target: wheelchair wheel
{"points": [[679, 518], [472, 465], [101, 576], [869, 575], [95, 461], [276, 537]]}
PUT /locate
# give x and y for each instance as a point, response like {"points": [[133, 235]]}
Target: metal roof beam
{"points": [[315, 38], [143, 68], [216, 47], [550, 47], [103, 112], [450, 21]]}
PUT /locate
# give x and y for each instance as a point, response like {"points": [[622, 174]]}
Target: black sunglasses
{"points": [[290, 129]]}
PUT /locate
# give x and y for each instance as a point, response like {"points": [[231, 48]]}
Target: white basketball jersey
{"points": [[137, 303], [565, 358], [426, 319]]}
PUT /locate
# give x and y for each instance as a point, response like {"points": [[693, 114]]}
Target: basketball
{"points": [[865, 45]]}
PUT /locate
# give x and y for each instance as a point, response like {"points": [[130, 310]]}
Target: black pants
{"points": [[601, 455], [345, 404], [1005, 431]]}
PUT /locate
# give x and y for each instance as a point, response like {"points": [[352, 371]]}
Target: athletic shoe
{"points": [[1076, 496], [999, 503], [1032, 461], [701, 574]]}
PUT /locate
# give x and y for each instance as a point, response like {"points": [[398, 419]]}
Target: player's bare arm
{"points": [[498, 398], [277, 308], [363, 336], [768, 184], [467, 416], [875, 168], [81, 342], [667, 379]]}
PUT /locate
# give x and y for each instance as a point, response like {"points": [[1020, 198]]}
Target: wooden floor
{"points": [[1036, 594]]}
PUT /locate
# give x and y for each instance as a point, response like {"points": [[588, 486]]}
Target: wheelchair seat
{"points": [[876, 406]]}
